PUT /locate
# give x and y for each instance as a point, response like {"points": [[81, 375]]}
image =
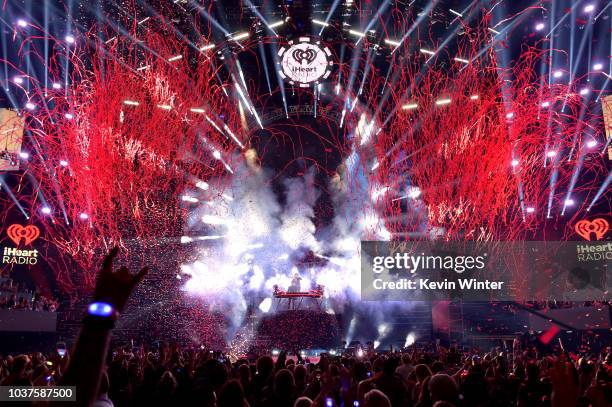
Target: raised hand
{"points": [[115, 287]]}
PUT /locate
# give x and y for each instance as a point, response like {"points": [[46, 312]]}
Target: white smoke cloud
{"points": [[262, 238]]}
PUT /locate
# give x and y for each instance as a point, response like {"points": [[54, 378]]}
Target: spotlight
{"points": [[69, 39], [22, 23], [18, 80], [68, 116], [46, 210], [589, 8], [57, 85], [30, 106], [539, 26], [217, 154], [515, 163], [591, 143], [545, 104], [551, 154], [569, 202], [83, 216], [510, 115], [558, 74], [530, 209], [24, 155], [584, 91], [63, 163], [598, 66]]}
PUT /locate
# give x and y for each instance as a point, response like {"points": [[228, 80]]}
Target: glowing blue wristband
{"points": [[100, 309]]}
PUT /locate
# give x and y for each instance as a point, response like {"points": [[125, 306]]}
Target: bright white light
{"points": [[18, 80], [465, 61], [474, 97], [46, 210], [591, 143], [188, 198], [545, 104], [276, 24], [240, 36], [493, 31], [197, 110], [24, 155], [22, 23], [175, 58], [510, 115], [515, 162], [394, 43], [426, 51], [378, 192], [202, 185], [455, 12], [443, 102], [589, 8], [414, 192], [63, 163], [539, 26], [165, 107], [551, 154], [142, 68], [360, 353], [186, 239], [265, 305], [207, 47], [69, 116], [410, 338], [30, 106], [584, 91], [410, 106], [130, 102], [213, 220], [319, 22], [357, 33], [598, 66], [530, 209], [217, 154], [84, 216], [558, 74], [569, 202], [69, 39], [56, 85]]}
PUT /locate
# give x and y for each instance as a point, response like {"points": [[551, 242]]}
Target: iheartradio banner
{"points": [[22, 252]]}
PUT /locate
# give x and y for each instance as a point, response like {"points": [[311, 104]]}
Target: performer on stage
{"points": [[296, 283]]}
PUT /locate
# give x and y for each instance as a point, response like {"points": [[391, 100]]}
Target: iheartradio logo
{"points": [[28, 233], [598, 226]]}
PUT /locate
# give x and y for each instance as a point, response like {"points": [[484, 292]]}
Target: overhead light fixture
{"points": [[319, 22], [197, 110], [598, 67], [130, 102], [22, 23], [175, 58], [394, 43], [207, 47], [410, 106], [165, 107], [465, 61], [589, 8], [240, 36], [276, 24], [539, 26], [474, 97], [426, 51], [357, 33], [443, 102], [69, 39]]}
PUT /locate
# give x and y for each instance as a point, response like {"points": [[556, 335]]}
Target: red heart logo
{"points": [[598, 226], [17, 232]]}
